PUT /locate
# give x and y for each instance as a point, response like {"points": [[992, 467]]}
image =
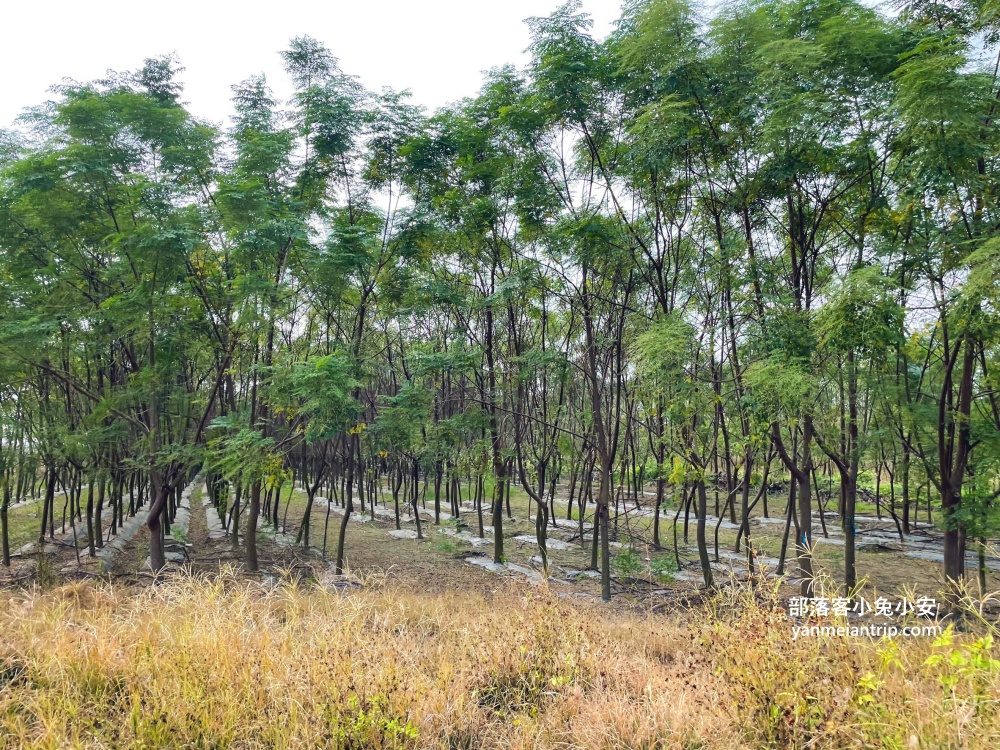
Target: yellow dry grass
{"points": [[224, 662]]}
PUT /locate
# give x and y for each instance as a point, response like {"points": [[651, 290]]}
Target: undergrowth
{"points": [[229, 663]]}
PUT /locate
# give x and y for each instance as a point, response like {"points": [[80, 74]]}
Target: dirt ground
{"points": [[451, 557]]}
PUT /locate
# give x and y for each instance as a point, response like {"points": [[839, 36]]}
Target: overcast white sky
{"points": [[436, 48]]}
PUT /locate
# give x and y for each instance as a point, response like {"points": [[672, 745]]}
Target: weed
{"points": [[663, 568], [178, 534], [210, 662], [628, 564], [447, 546]]}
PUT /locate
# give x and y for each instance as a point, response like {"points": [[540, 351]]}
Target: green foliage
{"points": [[862, 316], [659, 249], [664, 350], [318, 392], [663, 568], [242, 454], [969, 665], [779, 386], [628, 564]]}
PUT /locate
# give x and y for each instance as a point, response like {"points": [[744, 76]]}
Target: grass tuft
{"points": [[231, 663]]}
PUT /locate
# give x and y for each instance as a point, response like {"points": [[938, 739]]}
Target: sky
{"points": [[436, 48]]}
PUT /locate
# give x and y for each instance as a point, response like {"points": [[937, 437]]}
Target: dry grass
{"points": [[229, 663]]}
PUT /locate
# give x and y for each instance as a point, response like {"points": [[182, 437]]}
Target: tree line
{"points": [[711, 254]]}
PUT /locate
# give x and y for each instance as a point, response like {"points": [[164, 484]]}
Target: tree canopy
{"points": [[706, 248]]}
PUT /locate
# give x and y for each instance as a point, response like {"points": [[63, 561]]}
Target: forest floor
{"points": [[426, 643], [451, 555]]}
